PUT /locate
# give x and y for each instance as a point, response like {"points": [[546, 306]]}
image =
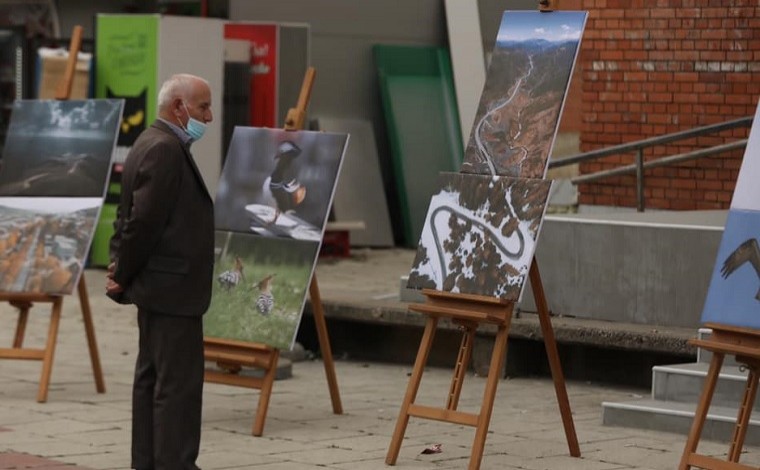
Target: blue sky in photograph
{"points": [[556, 26], [731, 300]]}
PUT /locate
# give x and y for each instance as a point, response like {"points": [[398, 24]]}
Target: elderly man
{"points": [[162, 261]]}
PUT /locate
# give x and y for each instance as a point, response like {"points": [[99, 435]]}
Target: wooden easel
{"points": [[744, 344], [469, 311], [25, 301], [231, 355]]}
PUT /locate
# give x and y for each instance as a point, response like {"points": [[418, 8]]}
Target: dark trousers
{"points": [[167, 392]]}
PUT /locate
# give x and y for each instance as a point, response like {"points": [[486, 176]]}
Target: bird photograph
{"points": [[260, 289], [59, 148], [265, 300], [747, 253], [232, 277], [278, 183], [733, 296]]}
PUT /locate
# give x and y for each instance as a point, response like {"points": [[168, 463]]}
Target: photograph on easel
{"points": [[733, 297], [44, 242], [525, 88], [480, 235], [259, 289], [59, 148], [278, 183]]}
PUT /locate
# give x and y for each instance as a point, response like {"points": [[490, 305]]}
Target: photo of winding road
{"points": [[480, 235], [525, 88], [44, 242]]}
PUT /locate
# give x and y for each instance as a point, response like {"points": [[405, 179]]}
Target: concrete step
{"points": [[677, 417], [684, 383]]}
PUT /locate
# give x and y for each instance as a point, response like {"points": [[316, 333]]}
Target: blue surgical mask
{"points": [[195, 129]]}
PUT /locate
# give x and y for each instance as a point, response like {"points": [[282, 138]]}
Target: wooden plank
{"points": [[27, 297], [23, 316], [711, 463], [498, 356], [550, 343], [701, 412], [64, 87], [266, 393], [228, 357], [47, 361], [324, 344], [89, 328], [411, 389], [215, 376], [726, 348], [443, 414], [22, 353], [458, 312]]}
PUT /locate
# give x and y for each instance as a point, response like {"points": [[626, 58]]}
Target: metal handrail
{"points": [[638, 146]]}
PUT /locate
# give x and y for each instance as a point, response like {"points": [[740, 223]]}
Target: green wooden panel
{"points": [[420, 108]]}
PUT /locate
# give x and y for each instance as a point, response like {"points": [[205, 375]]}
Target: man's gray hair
{"points": [[176, 86]]}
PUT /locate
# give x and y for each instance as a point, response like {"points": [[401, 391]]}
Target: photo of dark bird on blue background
{"points": [[749, 251], [265, 300], [287, 191], [232, 277]]}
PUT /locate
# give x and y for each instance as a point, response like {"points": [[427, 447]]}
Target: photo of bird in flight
{"points": [[749, 251]]}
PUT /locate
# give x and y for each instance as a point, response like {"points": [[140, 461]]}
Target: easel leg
{"points": [[745, 411], [324, 345], [463, 360], [550, 343], [411, 389], [266, 392], [23, 316], [89, 329], [47, 361], [701, 412], [498, 357]]}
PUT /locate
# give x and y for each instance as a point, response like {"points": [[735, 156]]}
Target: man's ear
{"points": [[177, 107]]}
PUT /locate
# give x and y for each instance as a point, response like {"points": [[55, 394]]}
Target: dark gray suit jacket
{"points": [[163, 244]]}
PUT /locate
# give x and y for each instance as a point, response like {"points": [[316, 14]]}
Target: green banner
{"points": [[126, 67]]}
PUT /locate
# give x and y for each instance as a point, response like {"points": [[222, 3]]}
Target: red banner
{"points": [[263, 38]]}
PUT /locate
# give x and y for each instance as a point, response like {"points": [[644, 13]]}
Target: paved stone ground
{"points": [[78, 428]]}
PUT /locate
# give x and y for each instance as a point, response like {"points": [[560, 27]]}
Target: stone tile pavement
{"points": [[78, 428]]}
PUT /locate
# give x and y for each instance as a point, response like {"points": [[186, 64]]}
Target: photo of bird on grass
{"points": [[260, 288]]}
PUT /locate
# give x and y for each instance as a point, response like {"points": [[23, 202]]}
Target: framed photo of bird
{"points": [[278, 183], [480, 235], [260, 288], [44, 242], [59, 148], [733, 297]]}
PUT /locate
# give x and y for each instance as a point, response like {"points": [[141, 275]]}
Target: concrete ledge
{"points": [[568, 330]]}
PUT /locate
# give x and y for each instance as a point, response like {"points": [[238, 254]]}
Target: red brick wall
{"points": [[652, 67]]}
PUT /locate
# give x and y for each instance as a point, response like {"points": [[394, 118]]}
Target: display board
{"points": [[733, 297], [525, 89], [480, 235], [56, 163], [482, 225], [271, 209]]}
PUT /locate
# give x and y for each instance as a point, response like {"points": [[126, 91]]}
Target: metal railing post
{"points": [[640, 180]]}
